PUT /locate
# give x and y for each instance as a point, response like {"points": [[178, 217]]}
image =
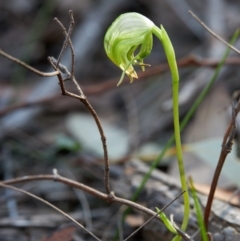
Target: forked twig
{"points": [[81, 186], [57, 66], [61, 69], [84, 100], [58, 178], [67, 41], [52, 206]]}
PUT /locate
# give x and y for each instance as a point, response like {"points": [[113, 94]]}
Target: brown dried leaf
{"points": [[65, 234], [221, 194], [134, 220]]}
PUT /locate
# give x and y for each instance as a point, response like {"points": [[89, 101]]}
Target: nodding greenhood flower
{"points": [[129, 32]]}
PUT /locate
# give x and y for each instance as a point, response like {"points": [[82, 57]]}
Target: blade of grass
{"points": [[198, 211]]}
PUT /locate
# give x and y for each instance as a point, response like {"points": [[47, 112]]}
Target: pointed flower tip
{"points": [[133, 75]]}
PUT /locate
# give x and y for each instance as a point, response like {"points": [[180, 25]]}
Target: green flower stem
{"points": [[183, 124], [169, 51], [128, 32]]}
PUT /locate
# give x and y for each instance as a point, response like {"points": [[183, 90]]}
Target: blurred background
{"points": [[42, 130]]}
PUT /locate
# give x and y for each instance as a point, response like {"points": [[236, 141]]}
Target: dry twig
{"points": [[85, 188], [226, 149], [28, 66], [74, 184], [214, 34], [56, 65]]}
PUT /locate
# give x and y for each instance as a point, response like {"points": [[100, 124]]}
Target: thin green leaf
{"points": [[167, 222], [198, 211]]}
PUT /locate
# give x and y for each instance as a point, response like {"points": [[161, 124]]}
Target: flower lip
{"points": [[128, 32]]}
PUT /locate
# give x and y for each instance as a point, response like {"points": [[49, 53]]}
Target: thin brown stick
{"points": [[84, 100], [40, 73], [104, 144], [226, 149], [60, 79], [214, 34], [50, 205], [56, 65], [67, 40], [71, 46], [83, 187]]}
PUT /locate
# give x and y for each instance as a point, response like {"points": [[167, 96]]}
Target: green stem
{"points": [[183, 124], [169, 51]]}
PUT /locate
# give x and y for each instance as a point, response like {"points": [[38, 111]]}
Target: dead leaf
{"points": [[134, 220], [65, 234], [221, 194]]}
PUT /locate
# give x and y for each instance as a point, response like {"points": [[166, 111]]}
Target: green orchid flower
{"points": [[129, 32], [133, 32]]}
